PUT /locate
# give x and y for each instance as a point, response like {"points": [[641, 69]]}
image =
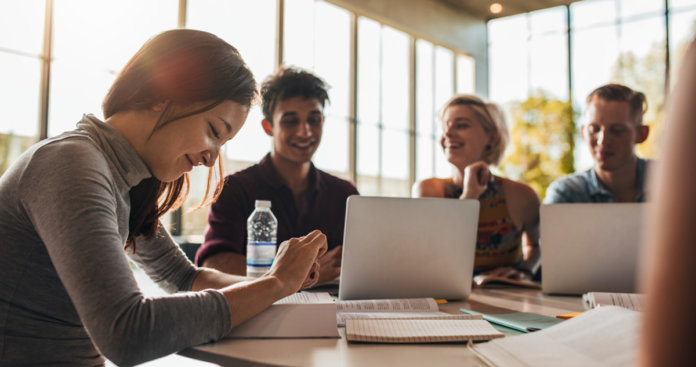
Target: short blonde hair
{"points": [[491, 118]]}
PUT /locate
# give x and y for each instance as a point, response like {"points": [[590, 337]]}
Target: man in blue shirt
{"points": [[613, 126]]}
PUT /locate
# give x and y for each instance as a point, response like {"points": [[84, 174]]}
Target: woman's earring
{"points": [[488, 147]]}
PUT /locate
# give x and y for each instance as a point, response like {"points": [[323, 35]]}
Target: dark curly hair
{"points": [[288, 83]]}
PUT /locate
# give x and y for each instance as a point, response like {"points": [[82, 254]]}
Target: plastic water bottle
{"points": [[262, 227]]}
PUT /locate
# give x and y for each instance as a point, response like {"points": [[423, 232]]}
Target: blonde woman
{"points": [[474, 139]]}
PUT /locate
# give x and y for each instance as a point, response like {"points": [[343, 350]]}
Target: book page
{"points": [[306, 297], [606, 336], [419, 330], [379, 308], [631, 301]]}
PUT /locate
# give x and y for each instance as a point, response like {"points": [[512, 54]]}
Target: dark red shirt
{"points": [[322, 208]]}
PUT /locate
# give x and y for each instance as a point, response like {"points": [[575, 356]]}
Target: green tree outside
{"points": [[646, 75], [542, 140], [11, 146]]}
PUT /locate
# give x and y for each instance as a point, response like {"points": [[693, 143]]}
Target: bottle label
{"points": [[260, 254]]}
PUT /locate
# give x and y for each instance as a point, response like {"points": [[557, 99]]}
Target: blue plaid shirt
{"points": [[585, 187]]}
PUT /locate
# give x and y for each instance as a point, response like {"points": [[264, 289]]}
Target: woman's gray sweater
{"points": [[67, 293]]}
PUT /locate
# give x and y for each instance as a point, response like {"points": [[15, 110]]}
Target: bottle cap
{"points": [[262, 203]]}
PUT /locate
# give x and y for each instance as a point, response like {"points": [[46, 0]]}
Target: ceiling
{"points": [[480, 8]]}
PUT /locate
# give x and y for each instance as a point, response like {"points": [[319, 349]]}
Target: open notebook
{"points": [[427, 329]]}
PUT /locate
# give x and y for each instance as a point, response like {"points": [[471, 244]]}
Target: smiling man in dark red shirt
{"points": [[303, 198]]}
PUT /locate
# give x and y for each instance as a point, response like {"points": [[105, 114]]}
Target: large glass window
{"points": [[435, 85], [528, 55], [21, 35], [369, 114], [234, 21], [317, 38], [594, 53], [529, 80], [383, 117], [621, 41], [508, 62], [548, 53], [631, 8], [426, 115], [88, 53], [466, 74], [641, 66], [682, 29], [444, 90]]}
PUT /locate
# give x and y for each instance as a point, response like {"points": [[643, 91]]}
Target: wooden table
{"points": [[338, 352]]}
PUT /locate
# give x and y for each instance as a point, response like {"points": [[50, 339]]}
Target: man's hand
{"points": [[330, 265]]}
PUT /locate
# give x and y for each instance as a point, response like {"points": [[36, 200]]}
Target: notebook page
{"points": [[419, 330], [606, 336], [341, 317]]}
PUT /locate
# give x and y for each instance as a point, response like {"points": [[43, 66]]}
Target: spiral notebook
{"points": [[433, 329]]}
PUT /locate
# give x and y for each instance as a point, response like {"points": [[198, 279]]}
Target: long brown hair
{"points": [[177, 67]]}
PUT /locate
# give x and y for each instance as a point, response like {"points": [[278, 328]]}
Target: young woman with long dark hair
{"points": [[74, 206]]}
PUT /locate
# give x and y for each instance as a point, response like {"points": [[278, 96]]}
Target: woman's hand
{"points": [[476, 179], [296, 263]]}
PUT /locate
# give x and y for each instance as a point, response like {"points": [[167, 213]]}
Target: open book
{"points": [[631, 301], [606, 336], [427, 329], [482, 280], [386, 308], [301, 315]]}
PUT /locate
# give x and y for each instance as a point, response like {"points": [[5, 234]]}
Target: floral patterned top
{"points": [[499, 241]]}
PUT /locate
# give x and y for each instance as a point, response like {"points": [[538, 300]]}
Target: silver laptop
{"points": [[407, 248], [590, 247]]}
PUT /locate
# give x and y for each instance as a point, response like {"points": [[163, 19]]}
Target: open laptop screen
{"points": [[402, 247], [590, 247]]}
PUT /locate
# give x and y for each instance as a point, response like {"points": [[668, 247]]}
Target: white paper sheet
{"points": [[606, 336]]}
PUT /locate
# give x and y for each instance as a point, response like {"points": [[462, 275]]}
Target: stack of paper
{"points": [[386, 308], [302, 315], [606, 336], [631, 301]]}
